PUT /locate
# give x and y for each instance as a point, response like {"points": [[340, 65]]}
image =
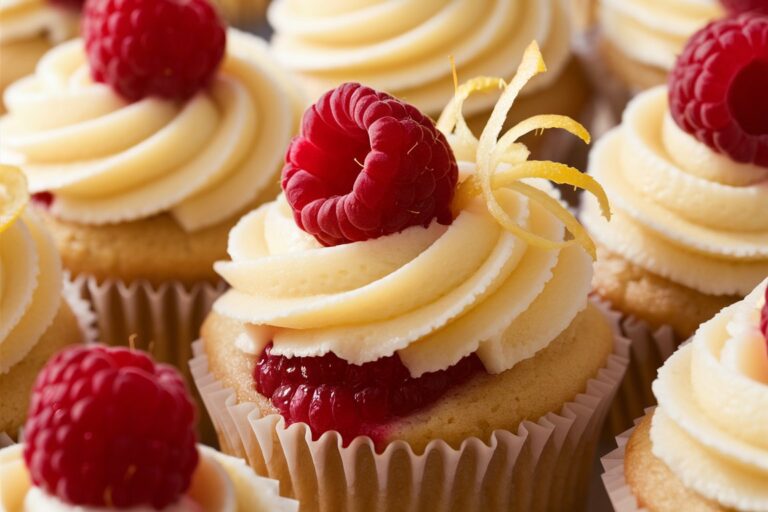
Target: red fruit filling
{"points": [[367, 165], [166, 48], [328, 393], [108, 427], [717, 91]]}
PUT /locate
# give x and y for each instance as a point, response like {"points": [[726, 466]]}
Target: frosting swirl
{"points": [[711, 425], [654, 32], [30, 287], [27, 19], [220, 484], [681, 210], [404, 47], [108, 161]]}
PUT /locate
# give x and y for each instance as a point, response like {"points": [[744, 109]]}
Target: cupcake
{"points": [[406, 50], [389, 338], [37, 316], [687, 176], [110, 430], [704, 446], [28, 29], [144, 155]]}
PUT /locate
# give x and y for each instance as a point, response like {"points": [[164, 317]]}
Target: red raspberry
{"points": [[741, 6], [43, 199], [328, 393], [167, 48], [109, 427], [764, 317], [367, 165], [717, 91], [69, 4]]}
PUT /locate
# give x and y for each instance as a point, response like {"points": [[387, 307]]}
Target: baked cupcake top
{"points": [[373, 256], [129, 444], [687, 170], [30, 273], [711, 425], [27, 19], [119, 131], [402, 47]]}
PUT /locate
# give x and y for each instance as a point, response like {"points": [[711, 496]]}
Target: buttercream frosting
{"points": [[711, 425], [403, 47], [109, 161], [220, 484], [654, 32], [681, 210], [28, 19]]}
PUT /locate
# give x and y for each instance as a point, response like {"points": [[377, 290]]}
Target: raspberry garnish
{"points": [[108, 427], [741, 6], [43, 199], [717, 89], [764, 317], [367, 165], [330, 394], [167, 48]]}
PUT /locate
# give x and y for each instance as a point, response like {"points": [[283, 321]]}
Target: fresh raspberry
{"points": [[742, 6], [764, 317], [367, 165], [328, 393], [717, 89], [43, 199], [166, 48], [108, 427]]}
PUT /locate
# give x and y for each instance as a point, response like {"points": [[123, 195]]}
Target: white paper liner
{"points": [[546, 465]]}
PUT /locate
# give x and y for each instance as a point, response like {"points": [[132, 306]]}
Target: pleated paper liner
{"points": [[614, 480], [544, 465]]}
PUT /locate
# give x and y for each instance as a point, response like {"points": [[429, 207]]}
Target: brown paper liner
{"points": [[545, 465], [614, 480]]}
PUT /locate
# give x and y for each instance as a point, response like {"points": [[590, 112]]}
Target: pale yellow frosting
{"points": [[711, 425], [654, 32], [28, 19], [30, 287], [681, 210], [404, 47], [220, 484], [109, 161]]}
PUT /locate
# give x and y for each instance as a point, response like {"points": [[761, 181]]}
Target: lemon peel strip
{"points": [[14, 195]]}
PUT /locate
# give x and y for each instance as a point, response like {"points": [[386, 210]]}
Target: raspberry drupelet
{"points": [[741, 6]]}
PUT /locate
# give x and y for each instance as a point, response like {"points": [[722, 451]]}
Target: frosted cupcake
{"points": [[704, 446], [147, 154], [28, 29], [35, 320], [404, 48], [687, 177], [389, 339], [109, 430]]}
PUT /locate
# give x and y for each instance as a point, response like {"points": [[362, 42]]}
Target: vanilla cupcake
{"points": [[686, 175], [389, 339], [147, 154], [405, 48], [85, 450], [704, 446], [35, 319], [28, 29]]}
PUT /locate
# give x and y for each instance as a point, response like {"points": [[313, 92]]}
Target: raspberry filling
{"points": [[748, 100], [327, 393]]}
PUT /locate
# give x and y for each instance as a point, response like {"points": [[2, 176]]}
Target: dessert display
{"points": [[36, 319], [143, 143], [109, 429], [703, 447], [686, 173], [397, 314], [28, 29]]}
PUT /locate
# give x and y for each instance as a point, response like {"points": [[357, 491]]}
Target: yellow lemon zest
{"points": [[13, 195]]}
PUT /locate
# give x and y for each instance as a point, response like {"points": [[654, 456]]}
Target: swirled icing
{"points": [[403, 47], [109, 161], [28, 19], [711, 425], [681, 210]]}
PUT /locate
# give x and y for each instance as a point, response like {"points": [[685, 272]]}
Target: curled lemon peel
{"points": [[14, 195], [502, 162]]}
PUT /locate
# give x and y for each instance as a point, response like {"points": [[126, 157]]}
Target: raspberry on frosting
{"points": [[108, 427], [717, 91], [367, 165], [742, 6], [166, 48]]}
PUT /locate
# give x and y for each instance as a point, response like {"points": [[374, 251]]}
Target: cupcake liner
{"points": [[614, 480], [545, 465]]}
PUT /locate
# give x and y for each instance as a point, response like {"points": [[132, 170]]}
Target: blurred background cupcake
{"points": [[686, 173], [29, 28], [144, 155], [704, 446]]}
